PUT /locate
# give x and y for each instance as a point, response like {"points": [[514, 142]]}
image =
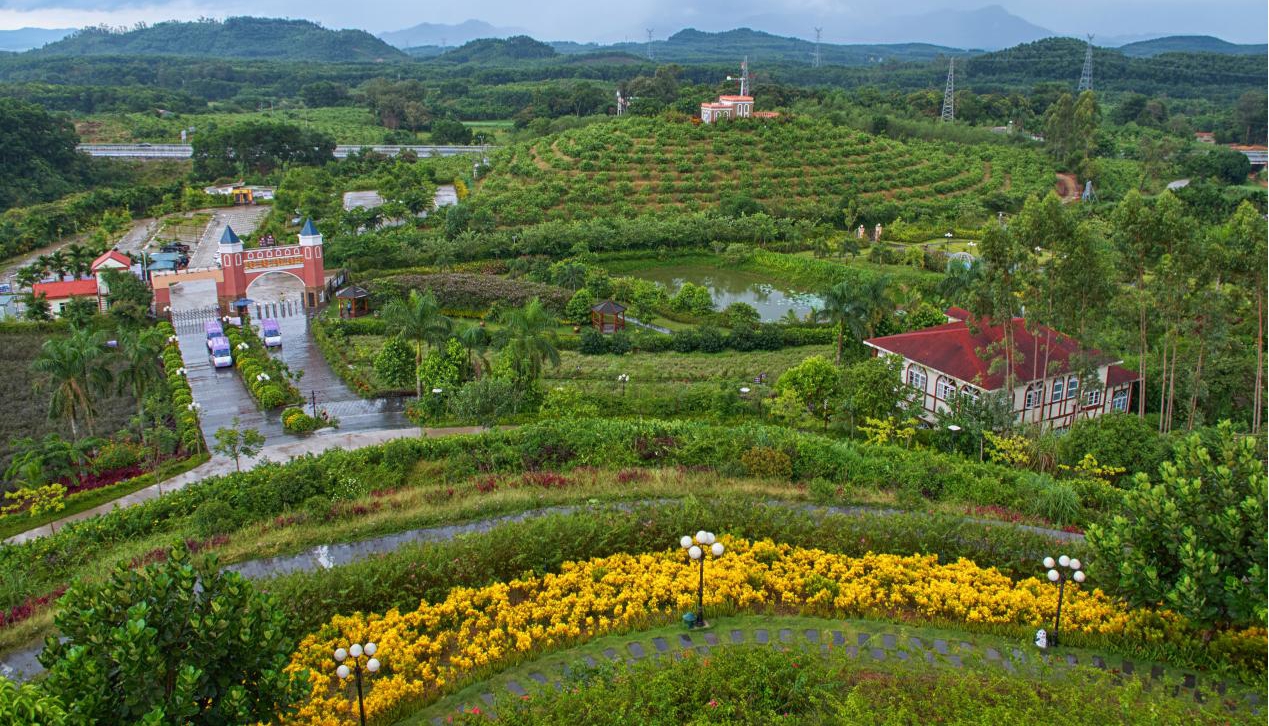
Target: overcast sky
{"points": [[1242, 21]]}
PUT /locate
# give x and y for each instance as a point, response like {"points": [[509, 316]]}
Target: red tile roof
{"points": [[735, 98], [66, 289], [115, 255], [957, 350], [1118, 375]]}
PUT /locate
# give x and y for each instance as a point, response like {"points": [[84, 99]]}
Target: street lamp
{"points": [[262, 377], [623, 379], [180, 371], [697, 548], [243, 346], [173, 339], [357, 651], [1056, 574], [195, 406]]}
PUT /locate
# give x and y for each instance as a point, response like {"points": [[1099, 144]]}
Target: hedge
{"points": [[463, 291], [253, 361]]}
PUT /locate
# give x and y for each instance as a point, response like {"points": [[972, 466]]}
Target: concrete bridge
{"points": [[185, 151]]}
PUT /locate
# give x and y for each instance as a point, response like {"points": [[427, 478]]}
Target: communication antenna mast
{"points": [[949, 111], [815, 63], [649, 43], [1086, 77], [743, 77]]}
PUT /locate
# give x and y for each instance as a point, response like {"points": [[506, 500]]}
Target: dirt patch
{"points": [[1068, 187]]}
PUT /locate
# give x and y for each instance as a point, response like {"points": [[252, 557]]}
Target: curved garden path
{"points": [[863, 641], [22, 663]]}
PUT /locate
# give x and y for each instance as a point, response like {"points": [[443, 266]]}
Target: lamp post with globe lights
{"points": [[697, 547], [1057, 574], [356, 651]]}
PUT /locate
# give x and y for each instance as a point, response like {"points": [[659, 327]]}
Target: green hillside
{"points": [[243, 37], [1189, 44], [795, 167], [695, 46]]}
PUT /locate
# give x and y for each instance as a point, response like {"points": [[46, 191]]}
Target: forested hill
{"points": [[1190, 44], [1208, 75], [232, 38], [695, 46]]}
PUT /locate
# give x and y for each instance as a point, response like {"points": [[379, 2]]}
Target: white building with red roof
{"points": [[61, 292], [1056, 380], [727, 107]]}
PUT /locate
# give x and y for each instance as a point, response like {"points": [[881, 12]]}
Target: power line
{"points": [[949, 111], [815, 63], [1086, 76]]}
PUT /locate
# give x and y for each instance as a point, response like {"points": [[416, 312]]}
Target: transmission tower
{"points": [[815, 62], [949, 111], [649, 43], [1086, 77]]}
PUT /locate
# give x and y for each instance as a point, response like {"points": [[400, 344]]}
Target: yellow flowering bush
{"points": [[438, 645]]}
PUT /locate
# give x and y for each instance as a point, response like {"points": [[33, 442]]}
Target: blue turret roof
{"points": [[228, 237], [309, 230]]}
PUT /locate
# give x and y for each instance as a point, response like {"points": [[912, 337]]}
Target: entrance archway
{"points": [[277, 294]]}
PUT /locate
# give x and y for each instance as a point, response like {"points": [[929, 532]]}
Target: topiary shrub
{"points": [[767, 462]]}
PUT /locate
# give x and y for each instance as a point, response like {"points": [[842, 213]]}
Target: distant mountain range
{"points": [[442, 35], [28, 38], [1189, 44], [243, 37], [991, 27]]}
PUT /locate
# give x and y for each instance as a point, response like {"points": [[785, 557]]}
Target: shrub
{"points": [[768, 463], [1059, 503], [394, 364], [296, 421], [593, 342], [119, 454], [215, 517], [710, 339], [578, 308], [318, 508]]}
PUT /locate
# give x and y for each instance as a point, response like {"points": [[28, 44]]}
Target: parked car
{"points": [[219, 353], [214, 331], [271, 332]]}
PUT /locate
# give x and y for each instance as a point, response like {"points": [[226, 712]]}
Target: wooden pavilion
{"points": [[354, 301], [608, 317]]}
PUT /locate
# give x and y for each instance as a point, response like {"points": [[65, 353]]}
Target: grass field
{"points": [[627, 166]]}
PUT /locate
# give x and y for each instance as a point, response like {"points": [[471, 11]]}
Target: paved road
{"points": [[185, 151]]}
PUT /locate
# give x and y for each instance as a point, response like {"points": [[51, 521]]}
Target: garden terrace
{"points": [[625, 167]]}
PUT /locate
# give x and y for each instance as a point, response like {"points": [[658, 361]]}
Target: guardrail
{"points": [[185, 151]]}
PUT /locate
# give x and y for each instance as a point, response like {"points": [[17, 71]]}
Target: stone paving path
{"points": [[865, 646]]}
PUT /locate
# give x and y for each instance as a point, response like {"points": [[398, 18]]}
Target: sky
{"points": [[1241, 21]]}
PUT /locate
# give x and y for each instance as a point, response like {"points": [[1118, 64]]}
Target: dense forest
{"points": [[241, 37]]}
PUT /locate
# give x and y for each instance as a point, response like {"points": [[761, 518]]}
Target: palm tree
{"points": [[76, 370], [58, 263], [476, 340], [856, 306], [29, 275], [418, 318], [80, 258], [140, 351], [528, 339]]}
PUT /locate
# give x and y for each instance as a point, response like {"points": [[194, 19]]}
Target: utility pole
{"points": [[816, 62], [649, 45], [949, 110], [1086, 77]]}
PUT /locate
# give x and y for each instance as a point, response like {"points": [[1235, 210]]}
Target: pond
{"points": [[771, 300]]}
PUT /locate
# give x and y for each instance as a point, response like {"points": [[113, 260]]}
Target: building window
{"points": [[917, 378], [946, 388], [1119, 402], [1093, 398], [1072, 386], [1057, 391], [1034, 395], [970, 391]]}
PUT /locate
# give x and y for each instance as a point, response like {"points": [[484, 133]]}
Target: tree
{"points": [[1137, 238], [873, 388], [1192, 538], [40, 161], [139, 350], [527, 339], [79, 311], [30, 704], [129, 298], [1251, 116], [578, 308], [36, 307], [258, 147], [1006, 265], [486, 400], [418, 319], [50, 459], [172, 642], [449, 131], [476, 339], [815, 381], [238, 442], [76, 371], [1247, 239], [395, 364], [857, 306]]}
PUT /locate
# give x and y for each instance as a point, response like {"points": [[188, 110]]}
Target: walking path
{"points": [[863, 641], [219, 465]]}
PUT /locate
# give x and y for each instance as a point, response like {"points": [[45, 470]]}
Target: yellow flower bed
{"points": [[439, 644]]}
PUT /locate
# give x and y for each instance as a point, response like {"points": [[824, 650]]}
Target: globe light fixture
{"points": [[704, 543], [356, 652], [1059, 571]]}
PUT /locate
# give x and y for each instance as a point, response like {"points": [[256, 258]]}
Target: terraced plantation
{"points": [[792, 168]]}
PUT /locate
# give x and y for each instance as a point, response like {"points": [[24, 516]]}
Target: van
{"points": [[220, 355], [271, 333], [214, 331]]}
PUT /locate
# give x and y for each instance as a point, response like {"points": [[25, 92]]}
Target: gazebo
{"points": [[354, 301], [608, 317]]}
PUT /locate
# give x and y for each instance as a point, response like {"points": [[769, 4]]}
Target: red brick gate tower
{"points": [[240, 267]]}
